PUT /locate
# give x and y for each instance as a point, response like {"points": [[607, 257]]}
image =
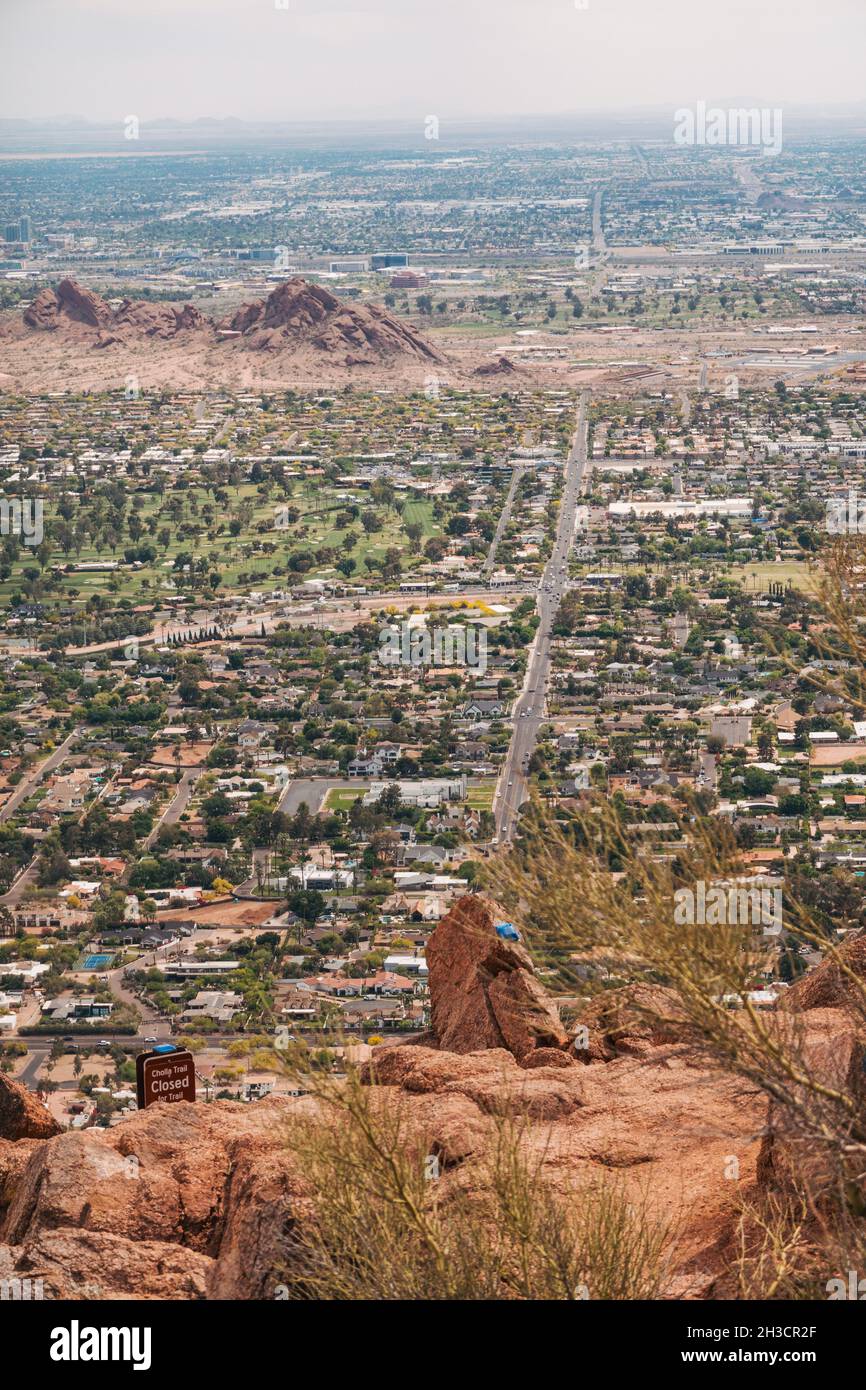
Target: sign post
{"points": [[166, 1073]]}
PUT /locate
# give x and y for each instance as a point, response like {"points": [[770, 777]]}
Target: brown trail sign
{"points": [[164, 1076]]}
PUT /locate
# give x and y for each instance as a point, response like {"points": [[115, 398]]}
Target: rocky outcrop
{"points": [[297, 318], [297, 315], [502, 366], [828, 986], [70, 305], [158, 320], [632, 1021], [483, 990], [22, 1116], [202, 1201], [206, 1201], [831, 1052], [149, 1208]]}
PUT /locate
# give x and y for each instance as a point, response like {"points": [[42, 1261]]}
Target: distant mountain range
{"points": [[74, 133]]}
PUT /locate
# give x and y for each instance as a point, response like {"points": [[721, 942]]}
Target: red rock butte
{"points": [[296, 317], [299, 314]]}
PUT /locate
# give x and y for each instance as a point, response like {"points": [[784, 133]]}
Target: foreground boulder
{"points": [[483, 990], [207, 1201], [203, 1201], [22, 1116], [828, 986]]}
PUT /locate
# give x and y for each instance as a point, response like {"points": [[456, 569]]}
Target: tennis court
{"points": [[100, 962]]}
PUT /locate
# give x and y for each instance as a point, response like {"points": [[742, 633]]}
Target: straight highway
{"points": [[528, 714]]}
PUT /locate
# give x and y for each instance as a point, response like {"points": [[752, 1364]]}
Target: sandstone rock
{"points": [[163, 321], [85, 1265], [43, 311], [632, 1020], [162, 1192], [483, 990], [297, 319], [297, 314], [491, 1079], [207, 1201], [70, 302], [832, 1053], [502, 366], [263, 1200], [198, 1201], [546, 1057], [14, 1157], [827, 987], [22, 1116]]}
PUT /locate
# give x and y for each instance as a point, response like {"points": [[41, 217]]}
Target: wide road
{"points": [[599, 245], [528, 714], [599, 255]]}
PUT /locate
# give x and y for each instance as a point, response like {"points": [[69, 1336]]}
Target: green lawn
{"points": [[342, 799], [480, 796], [760, 576], [231, 555]]}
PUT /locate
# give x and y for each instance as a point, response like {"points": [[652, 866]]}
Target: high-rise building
{"points": [[385, 260], [18, 231]]}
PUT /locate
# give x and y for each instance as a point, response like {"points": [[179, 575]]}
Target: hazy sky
{"points": [[105, 59]]}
